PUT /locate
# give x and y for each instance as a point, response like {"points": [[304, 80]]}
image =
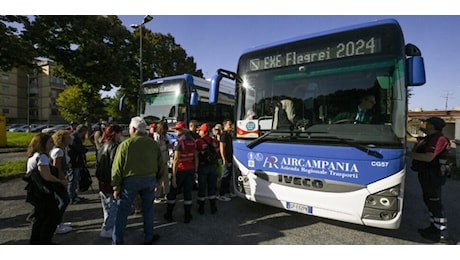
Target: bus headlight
{"points": [[383, 205]]}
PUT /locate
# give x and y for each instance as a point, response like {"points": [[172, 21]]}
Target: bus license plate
{"points": [[299, 208]]}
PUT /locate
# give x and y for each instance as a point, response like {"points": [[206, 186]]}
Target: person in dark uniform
{"points": [[183, 169], [429, 155], [207, 169]]}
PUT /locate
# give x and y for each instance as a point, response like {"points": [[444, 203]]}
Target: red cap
{"points": [[152, 126], [204, 127], [179, 125]]}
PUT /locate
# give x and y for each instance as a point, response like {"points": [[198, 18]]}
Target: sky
{"points": [[217, 41]]}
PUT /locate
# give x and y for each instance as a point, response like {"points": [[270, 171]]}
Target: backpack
{"points": [[210, 155]]}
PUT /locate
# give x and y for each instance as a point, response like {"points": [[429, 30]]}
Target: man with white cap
{"points": [[136, 167], [429, 155]]}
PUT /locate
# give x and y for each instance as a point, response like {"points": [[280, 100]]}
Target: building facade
{"points": [[29, 97], [451, 117]]}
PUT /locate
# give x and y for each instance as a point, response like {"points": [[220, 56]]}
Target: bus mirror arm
{"points": [[258, 140], [229, 75]]}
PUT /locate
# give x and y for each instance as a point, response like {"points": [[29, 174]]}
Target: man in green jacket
{"points": [[137, 165]]}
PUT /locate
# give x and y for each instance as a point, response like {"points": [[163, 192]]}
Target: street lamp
{"points": [[28, 103], [147, 19]]}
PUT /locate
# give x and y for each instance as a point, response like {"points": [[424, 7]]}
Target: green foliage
{"points": [[12, 43], [93, 53]]}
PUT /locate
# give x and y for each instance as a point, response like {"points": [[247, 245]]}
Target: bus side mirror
{"points": [[120, 104], [214, 88], [194, 98], [415, 71]]}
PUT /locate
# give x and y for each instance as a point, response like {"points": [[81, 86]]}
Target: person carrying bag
{"points": [[40, 190]]}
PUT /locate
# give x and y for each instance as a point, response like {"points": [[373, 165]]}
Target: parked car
{"points": [[20, 128], [8, 127], [55, 128], [38, 128]]}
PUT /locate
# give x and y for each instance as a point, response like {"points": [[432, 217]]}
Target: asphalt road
{"points": [[238, 222]]}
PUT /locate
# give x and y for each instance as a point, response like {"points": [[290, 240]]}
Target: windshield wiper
{"points": [[362, 148], [291, 133], [259, 140]]}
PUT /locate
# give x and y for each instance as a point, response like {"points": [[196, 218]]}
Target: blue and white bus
{"points": [[183, 98], [318, 165]]}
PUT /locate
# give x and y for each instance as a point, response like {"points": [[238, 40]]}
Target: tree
{"points": [[164, 57], [14, 50], [161, 57], [73, 104], [93, 52]]}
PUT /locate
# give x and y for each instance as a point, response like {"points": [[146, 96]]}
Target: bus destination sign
{"points": [[363, 46]]}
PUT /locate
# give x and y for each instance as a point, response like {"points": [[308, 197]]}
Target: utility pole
{"points": [[446, 97]]}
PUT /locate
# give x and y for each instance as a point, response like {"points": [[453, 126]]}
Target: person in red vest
{"points": [[183, 169], [207, 168]]}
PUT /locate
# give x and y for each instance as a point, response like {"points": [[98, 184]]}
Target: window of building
{"points": [[5, 76], [4, 101]]}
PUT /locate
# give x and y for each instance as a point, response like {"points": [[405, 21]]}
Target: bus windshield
{"points": [[349, 89], [161, 100]]}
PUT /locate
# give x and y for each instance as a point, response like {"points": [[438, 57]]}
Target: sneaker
{"points": [[430, 229], [187, 218], [223, 198], [230, 195], [168, 217], [446, 241], [106, 233], [62, 229], [154, 239]]}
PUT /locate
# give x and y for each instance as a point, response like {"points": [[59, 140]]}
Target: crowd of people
{"points": [[127, 171]]}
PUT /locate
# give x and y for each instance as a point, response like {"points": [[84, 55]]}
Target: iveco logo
{"points": [[299, 181]]}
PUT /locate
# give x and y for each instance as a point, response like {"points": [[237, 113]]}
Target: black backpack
{"points": [[209, 156]]}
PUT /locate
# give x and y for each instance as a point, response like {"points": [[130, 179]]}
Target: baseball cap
{"points": [[437, 122], [204, 127], [179, 125], [152, 126]]}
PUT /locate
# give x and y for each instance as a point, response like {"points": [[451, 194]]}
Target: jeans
{"points": [[63, 201], [226, 179], [73, 175], [109, 208], [130, 187], [207, 182]]}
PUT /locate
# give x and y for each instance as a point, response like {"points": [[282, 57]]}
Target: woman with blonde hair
{"points": [[46, 211], [60, 160]]}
